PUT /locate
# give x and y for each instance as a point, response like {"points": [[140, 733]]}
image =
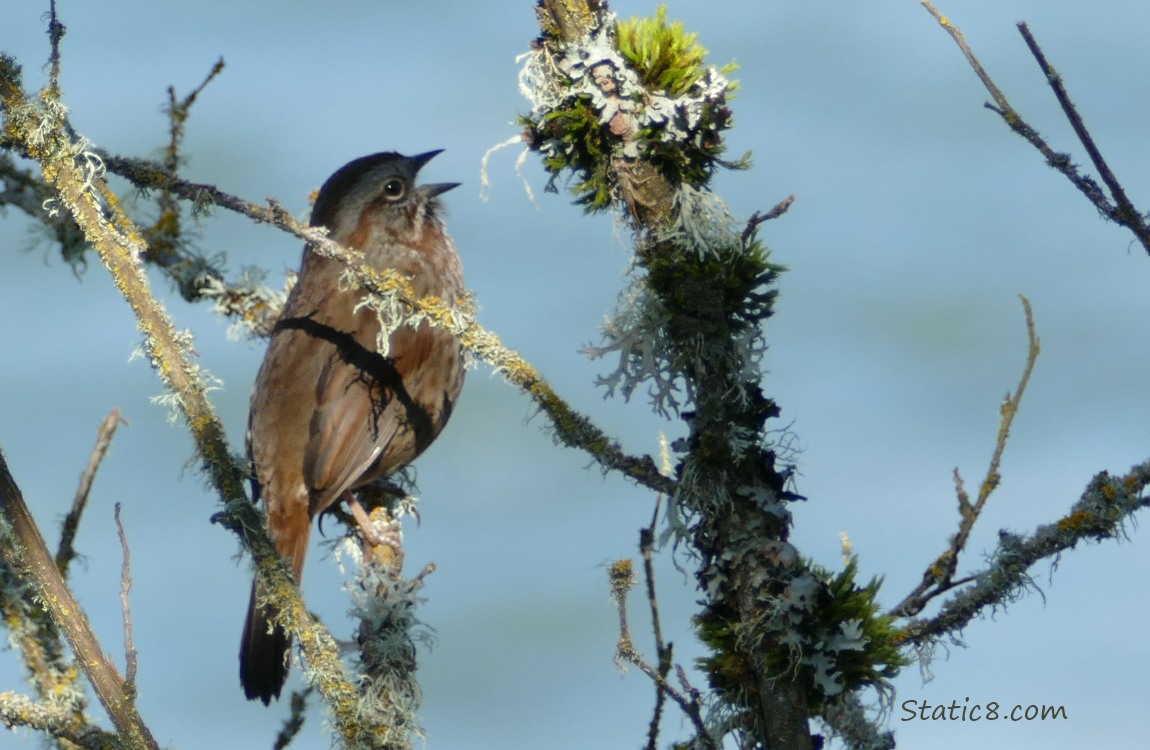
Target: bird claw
{"points": [[389, 538]]}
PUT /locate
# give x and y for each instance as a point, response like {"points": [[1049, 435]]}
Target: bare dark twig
{"points": [[294, 723], [107, 430], [164, 236], [758, 217], [1121, 211], [56, 33], [663, 650], [178, 110], [1124, 212]]}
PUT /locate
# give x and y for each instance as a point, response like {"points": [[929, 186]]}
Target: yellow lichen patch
{"points": [[1075, 522]]}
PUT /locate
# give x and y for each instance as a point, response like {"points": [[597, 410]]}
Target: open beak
{"points": [[422, 159], [430, 191], [434, 189]]}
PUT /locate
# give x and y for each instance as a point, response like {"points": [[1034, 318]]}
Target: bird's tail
{"points": [[265, 651]]}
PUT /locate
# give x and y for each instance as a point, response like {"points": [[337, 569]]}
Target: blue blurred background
{"points": [[919, 219]]}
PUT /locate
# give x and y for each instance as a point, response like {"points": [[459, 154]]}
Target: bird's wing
{"points": [[367, 420]]}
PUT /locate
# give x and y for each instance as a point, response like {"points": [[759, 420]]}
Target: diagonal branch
{"points": [[66, 552], [25, 550], [1101, 513], [573, 429], [40, 129], [1124, 213], [1121, 211]]}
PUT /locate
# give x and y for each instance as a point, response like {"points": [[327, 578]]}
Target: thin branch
{"points": [[622, 577], [107, 430], [25, 550], [1101, 513], [164, 236], [178, 111], [960, 40], [40, 129], [294, 723], [758, 217], [939, 576], [56, 33], [130, 654], [663, 651], [1123, 214]]}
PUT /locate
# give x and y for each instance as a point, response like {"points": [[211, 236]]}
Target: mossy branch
{"points": [[632, 114], [24, 550], [57, 720], [76, 173]]}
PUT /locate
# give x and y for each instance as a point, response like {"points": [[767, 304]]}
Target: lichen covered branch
{"points": [[1102, 512], [75, 172], [631, 111]]}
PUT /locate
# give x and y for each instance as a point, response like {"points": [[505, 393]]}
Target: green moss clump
{"points": [[846, 634], [665, 55], [878, 658], [582, 144]]}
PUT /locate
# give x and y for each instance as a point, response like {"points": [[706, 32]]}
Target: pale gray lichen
{"points": [[637, 331], [384, 603], [590, 105]]}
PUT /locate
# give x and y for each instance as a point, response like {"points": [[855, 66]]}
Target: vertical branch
{"points": [[384, 603], [130, 655], [662, 650], [689, 330]]}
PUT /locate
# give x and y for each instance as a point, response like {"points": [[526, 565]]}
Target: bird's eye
{"points": [[394, 189]]}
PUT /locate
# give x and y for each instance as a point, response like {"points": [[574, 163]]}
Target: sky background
{"points": [[919, 219]]}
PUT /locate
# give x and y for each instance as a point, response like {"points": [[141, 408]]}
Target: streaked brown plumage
{"points": [[329, 413]]}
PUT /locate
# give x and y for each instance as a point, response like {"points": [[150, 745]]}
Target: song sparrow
{"points": [[330, 412]]}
